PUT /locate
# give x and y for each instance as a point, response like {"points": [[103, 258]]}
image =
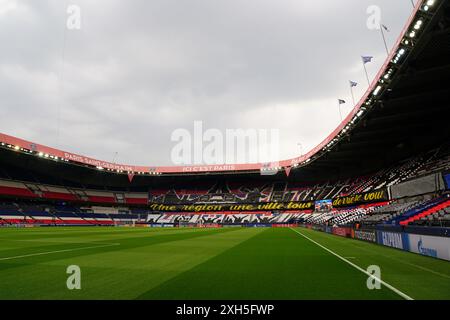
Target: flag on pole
{"points": [[383, 27], [366, 59], [340, 101], [352, 85]]}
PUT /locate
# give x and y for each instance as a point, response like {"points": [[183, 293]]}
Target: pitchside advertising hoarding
{"points": [[437, 247], [342, 232], [366, 235], [393, 240]]}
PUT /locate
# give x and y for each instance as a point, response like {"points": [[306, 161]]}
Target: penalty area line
{"points": [[387, 285], [57, 251]]}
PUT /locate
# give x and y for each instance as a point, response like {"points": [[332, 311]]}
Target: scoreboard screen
{"points": [[323, 205]]}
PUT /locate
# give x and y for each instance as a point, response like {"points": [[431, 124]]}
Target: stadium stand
{"points": [[44, 204], [384, 165], [49, 214]]}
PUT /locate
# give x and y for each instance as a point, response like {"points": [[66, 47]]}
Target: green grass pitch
{"points": [[228, 263]]}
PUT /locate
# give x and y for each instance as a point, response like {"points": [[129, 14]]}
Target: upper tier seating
{"points": [[438, 159]]}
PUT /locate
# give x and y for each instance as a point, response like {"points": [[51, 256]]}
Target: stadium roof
{"points": [[402, 113]]}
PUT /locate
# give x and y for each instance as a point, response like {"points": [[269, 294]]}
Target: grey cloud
{"points": [[137, 70]]}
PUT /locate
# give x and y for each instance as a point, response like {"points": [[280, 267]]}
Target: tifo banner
{"points": [[366, 235], [393, 240], [437, 247], [268, 206], [362, 198]]}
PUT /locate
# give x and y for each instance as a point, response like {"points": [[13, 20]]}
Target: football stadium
{"points": [[365, 215]]}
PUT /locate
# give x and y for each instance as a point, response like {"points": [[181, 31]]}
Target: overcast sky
{"points": [[139, 69]]}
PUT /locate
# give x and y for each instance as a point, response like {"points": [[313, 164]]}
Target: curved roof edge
{"points": [[370, 96]]}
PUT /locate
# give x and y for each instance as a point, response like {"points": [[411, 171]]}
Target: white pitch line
{"points": [[58, 251], [387, 285]]}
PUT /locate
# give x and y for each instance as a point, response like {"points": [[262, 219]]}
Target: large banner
{"points": [[437, 247], [267, 206], [362, 198]]}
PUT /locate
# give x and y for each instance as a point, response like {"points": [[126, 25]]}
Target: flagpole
{"points": [[353, 96], [340, 112], [384, 39], [367, 75]]}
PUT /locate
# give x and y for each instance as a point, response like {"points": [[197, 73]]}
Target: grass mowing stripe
{"points": [[113, 236], [253, 233], [108, 273], [210, 264], [87, 231], [274, 264], [62, 251], [58, 251], [403, 295], [125, 242], [51, 241]]}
